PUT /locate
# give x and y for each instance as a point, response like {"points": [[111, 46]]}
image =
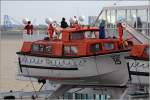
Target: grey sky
{"points": [[39, 10]]}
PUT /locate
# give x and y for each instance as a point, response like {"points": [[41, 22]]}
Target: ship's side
{"points": [[83, 70]]}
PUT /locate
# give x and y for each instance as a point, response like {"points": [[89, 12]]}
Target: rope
{"points": [[32, 85], [98, 17]]}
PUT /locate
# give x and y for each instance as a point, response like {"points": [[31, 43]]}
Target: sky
{"points": [[38, 11]]}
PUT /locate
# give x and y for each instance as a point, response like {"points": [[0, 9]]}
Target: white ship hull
{"points": [[108, 69]]}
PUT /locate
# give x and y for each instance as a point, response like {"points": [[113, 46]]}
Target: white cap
{"points": [[48, 20], [25, 20], [81, 18], [73, 20]]}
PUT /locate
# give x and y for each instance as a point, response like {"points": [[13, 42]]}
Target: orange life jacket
{"points": [[50, 31]]}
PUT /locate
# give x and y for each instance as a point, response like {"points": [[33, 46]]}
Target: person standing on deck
{"points": [[29, 28], [120, 32], [64, 23], [138, 25], [50, 31], [74, 23], [102, 30]]}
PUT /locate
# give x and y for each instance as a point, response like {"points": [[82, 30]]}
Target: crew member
{"points": [[64, 23], [120, 32], [74, 23], [29, 28], [102, 30], [50, 31], [138, 25]]}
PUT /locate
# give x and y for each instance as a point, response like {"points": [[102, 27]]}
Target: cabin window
{"points": [[89, 34], [95, 48], [48, 49], [108, 46], [41, 48], [35, 47], [70, 50], [38, 48], [77, 36]]}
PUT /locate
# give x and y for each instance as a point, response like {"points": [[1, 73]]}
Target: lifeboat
{"points": [[138, 62], [140, 52], [77, 56]]}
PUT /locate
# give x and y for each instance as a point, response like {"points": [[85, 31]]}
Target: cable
{"points": [[98, 17], [32, 84], [42, 81]]}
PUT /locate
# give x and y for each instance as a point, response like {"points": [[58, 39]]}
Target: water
{"points": [[9, 45]]}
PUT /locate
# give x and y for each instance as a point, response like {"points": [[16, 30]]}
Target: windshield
{"points": [[90, 34], [83, 35], [77, 36]]}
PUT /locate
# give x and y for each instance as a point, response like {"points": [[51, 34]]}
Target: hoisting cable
{"points": [[97, 17], [32, 85], [43, 83]]}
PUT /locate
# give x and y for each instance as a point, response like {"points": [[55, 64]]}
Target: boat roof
{"points": [[81, 29], [137, 7], [44, 42]]}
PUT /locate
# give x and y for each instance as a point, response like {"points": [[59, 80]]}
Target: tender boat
{"points": [[138, 61], [76, 56]]}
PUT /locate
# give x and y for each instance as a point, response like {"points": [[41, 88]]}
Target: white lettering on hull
{"points": [[139, 66], [52, 62]]}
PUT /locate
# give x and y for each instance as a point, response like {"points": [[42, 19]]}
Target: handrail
{"points": [[98, 17], [142, 38]]}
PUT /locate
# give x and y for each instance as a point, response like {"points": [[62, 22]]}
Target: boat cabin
{"points": [[72, 42]]}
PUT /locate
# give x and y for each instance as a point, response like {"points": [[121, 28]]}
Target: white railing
{"points": [[144, 39]]}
